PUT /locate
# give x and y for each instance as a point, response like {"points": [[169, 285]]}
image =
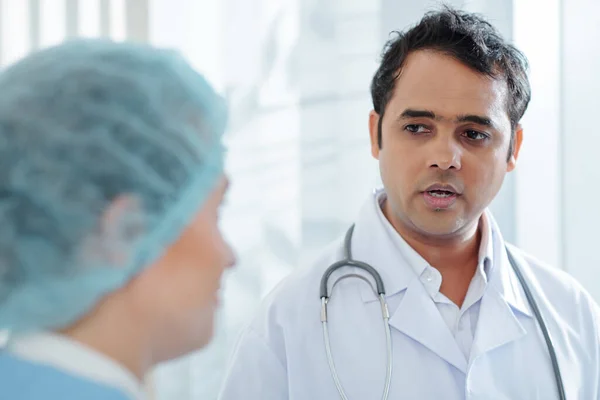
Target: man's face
{"points": [[445, 142]]}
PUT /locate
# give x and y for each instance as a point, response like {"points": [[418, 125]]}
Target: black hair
{"points": [[468, 38]]}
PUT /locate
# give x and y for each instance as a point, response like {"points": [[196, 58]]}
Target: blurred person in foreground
{"points": [[111, 177]]}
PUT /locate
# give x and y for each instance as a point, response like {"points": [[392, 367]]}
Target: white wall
{"points": [[557, 181], [581, 140], [336, 55], [539, 188]]}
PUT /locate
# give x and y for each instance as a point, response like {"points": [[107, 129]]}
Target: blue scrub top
{"points": [[25, 380]]}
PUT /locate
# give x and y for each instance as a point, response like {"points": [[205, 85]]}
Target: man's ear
{"points": [[518, 140], [374, 133]]}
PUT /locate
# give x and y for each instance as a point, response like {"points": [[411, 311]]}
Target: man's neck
{"points": [[447, 255], [456, 258], [443, 253]]}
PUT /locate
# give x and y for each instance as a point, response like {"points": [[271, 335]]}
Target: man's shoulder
{"points": [[566, 294], [548, 275]]}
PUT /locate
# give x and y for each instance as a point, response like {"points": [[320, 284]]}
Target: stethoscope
{"points": [[349, 262]]}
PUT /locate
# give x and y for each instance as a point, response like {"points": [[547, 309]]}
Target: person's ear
{"points": [[518, 140], [374, 133], [121, 228]]}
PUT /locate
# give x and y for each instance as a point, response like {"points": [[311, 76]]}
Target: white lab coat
{"points": [[281, 354]]}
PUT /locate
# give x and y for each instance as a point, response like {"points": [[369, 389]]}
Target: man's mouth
{"points": [[441, 193], [440, 196]]}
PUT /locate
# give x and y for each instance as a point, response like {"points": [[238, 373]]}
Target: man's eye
{"points": [[474, 135], [415, 128]]}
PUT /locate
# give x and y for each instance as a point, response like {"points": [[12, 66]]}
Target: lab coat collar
{"points": [[372, 244], [503, 279]]}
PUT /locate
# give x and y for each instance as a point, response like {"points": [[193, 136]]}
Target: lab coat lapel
{"points": [[502, 302], [418, 317], [497, 326]]}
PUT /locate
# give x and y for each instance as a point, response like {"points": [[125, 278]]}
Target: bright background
{"points": [[296, 73]]}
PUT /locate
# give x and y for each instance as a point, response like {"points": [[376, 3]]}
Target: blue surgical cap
{"points": [[82, 125]]}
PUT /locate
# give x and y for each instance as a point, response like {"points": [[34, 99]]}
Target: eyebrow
{"points": [[477, 119], [411, 113]]}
